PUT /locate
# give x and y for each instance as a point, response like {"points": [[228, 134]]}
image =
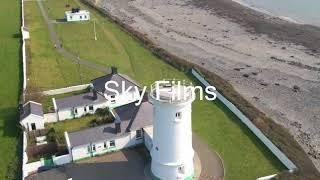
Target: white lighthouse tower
{"points": [[172, 152]]}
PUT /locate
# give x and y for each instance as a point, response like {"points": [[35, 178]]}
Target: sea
{"points": [[298, 11]]}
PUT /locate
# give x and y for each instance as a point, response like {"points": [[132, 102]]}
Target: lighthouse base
{"points": [[154, 177]]}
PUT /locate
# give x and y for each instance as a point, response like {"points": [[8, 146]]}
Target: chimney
{"points": [[94, 94], [114, 70], [118, 127], [117, 123], [21, 109]]}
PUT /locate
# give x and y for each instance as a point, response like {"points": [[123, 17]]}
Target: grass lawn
{"points": [[47, 69], [243, 154], [9, 91], [70, 125]]}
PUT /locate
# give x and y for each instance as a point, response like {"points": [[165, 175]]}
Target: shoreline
{"points": [[271, 71], [265, 23], [268, 13]]}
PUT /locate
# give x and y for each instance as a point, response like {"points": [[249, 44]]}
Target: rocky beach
{"points": [[274, 64]]}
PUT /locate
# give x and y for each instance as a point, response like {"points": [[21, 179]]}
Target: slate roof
{"points": [[99, 83], [31, 108], [79, 100], [132, 118]]}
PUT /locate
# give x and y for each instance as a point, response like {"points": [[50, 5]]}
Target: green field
{"points": [[47, 69], [243, 154], [9, 91]]}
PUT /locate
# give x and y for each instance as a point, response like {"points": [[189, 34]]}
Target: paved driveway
{"points": [[122, 165]]}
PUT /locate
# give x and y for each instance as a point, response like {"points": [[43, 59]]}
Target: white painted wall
{"points": [[63, 159], [37, 120], [128, 140], [32, 167], [122, 99], [69, 113], [50, 117], [273, 148]]}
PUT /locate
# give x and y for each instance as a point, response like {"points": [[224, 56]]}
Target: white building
{"points": [[78, 105], [172, 152], [77, 15], [31, 116], [126, 131]]}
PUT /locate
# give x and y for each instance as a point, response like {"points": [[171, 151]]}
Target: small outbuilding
{"points": [[77, 15], [31, 116]]}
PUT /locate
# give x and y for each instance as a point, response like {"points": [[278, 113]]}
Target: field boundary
{"points": [[66, 89], [25, 35], [256, 131]]}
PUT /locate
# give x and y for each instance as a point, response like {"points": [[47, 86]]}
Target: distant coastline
{"points": [[286, 18], [263, 22]]}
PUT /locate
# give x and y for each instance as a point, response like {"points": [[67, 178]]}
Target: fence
{"points": [[66, 89], [274, 149]]}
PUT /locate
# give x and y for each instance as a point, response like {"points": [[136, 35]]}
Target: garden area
{"points": [[244, 156], [102, 116]]}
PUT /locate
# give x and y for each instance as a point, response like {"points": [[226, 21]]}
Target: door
{"points": [[33, 126]]}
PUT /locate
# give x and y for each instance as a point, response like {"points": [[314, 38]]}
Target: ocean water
{"points": [[299, 11]]}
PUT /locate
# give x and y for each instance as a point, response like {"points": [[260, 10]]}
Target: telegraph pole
{"points": [[94, 29]]}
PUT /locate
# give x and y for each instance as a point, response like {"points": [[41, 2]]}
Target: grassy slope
{"points": [[46, 68], [243, 155], [9, 91]]}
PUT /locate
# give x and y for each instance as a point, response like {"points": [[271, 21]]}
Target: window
{"points": [[80, 17], [112, 143], [113, 101], [85, 16], [93, 147], [105, 145], [138, 134], [89, 149], [181, 169], [85, 109], [75, 111], [91, 108], [178, 115], [112, 96]]}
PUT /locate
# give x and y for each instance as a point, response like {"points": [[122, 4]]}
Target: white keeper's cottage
{"points": [[79, 105], [77, 15]]}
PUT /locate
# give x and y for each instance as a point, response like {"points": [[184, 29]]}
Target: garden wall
{"points": [[50, 117], [63, 159], [66, 89]]}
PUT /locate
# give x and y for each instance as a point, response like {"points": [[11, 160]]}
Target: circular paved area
{"points": [[211, 164]]}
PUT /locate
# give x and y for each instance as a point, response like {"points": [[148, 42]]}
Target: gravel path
{"points": [[59, 47]]}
